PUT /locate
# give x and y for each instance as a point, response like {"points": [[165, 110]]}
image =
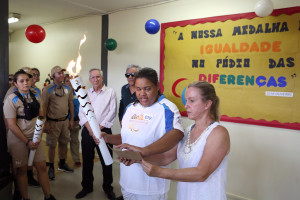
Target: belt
{"points": [[57, 120]]}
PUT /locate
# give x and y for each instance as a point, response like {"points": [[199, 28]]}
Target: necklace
{"points": [[61, 93], [188, 146]]}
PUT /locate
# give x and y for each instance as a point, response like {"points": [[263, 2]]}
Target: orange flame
{"points": [[75, 67]]}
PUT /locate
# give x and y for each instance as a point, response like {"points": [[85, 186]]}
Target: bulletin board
{"points": [[253, 62]]}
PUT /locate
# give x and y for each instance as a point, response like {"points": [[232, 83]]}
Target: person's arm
{"points": [[111, 115], [174, 133], [121, 111], [163, 159], [5, 123], [165, 143], [71, 107], [44, 110], [45, 101], [14, 128], [112, 139], [216, 148], [76, 107], [10, 114], [121, 106]]}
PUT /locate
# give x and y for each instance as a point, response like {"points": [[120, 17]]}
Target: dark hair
{"points": [[36, 69], [16, 75], [148, 73], [66, 76], [207, 91]]}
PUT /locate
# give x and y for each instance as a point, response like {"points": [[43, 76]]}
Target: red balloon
{"points": [[35, 33]]}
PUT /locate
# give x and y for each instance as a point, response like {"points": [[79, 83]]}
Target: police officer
{"points": [[21, 109], [57, 102], [35, 79], [31, 180]]}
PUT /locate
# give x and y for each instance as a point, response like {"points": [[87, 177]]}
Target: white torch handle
{"points": [[97, 132], [36, 137], [86, 105]]}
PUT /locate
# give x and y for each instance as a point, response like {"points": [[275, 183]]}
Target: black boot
{"points": [[31, 181], [50, 198]]}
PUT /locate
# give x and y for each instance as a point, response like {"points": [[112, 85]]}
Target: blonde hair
{"points": [[207, 92]]}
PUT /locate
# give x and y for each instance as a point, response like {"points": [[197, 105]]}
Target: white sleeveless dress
{"points": [[213, 188]]}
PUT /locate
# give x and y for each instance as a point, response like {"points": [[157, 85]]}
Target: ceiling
{"points": [[50, 11]]}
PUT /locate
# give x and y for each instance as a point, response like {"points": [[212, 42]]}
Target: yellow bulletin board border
{"points": [[164, 26]]}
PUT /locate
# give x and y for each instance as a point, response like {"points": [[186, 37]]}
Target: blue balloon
{"points": [[152, 26]]}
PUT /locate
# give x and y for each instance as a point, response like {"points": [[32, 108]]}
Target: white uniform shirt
{"points": [[105, 107], [141, 126], [213, 188]]}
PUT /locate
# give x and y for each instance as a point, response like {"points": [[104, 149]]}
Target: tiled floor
{"points": [[67, 185]]}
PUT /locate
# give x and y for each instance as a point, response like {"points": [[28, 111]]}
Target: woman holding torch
{"points": [[145, 121], [21, 110]]}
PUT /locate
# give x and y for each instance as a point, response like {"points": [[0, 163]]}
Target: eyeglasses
{"points": [[129, 74], [34, 74], [10, 79]]}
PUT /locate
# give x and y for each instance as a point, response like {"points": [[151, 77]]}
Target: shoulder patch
{"points": [[37, 95], [15, 99], [37, 90], [50, 89]]}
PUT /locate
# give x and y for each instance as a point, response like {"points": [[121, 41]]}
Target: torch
{"points": [[36, 137], [86, 105]]}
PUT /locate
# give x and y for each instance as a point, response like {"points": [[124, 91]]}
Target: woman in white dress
{"points": [[202, 153]]}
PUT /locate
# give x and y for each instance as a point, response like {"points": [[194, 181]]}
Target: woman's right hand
{"points": [[33, 145]]}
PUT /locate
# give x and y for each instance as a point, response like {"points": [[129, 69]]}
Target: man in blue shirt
{"points": [[128, 91]]}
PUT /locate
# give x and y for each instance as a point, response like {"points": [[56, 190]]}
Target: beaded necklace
{"points": [[188, 146]]}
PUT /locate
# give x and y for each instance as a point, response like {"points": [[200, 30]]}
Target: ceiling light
{"points": [[13, 17]]}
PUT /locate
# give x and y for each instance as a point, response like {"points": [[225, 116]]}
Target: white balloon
{"points": [[263, 8]]}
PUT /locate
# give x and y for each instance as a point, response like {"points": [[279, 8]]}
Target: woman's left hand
{"points": [[151, 170], [126, 161], [130, 148]]}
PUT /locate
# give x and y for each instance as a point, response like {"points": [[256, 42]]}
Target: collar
{"points": [[161, 97], [25, 95], [57, 85], [102, 89]]}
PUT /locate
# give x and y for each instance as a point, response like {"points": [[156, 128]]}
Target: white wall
{"points": [[264, 162], [59, 47]]}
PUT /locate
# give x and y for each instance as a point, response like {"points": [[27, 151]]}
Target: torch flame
{"points": [[75, 67]]}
